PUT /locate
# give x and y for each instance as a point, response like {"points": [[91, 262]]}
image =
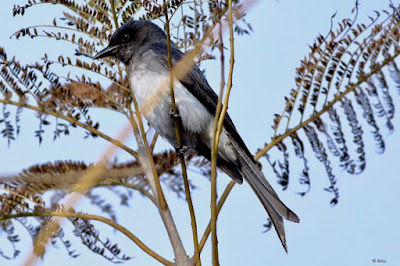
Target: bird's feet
{"points": [[181, 150], [173, 115]]}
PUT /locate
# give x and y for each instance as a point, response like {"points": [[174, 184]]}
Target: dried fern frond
{"points": [[23, 200], [62, 175]]}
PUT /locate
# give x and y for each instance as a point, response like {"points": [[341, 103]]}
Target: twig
{"points": [[178, 127], [75, 122], [146, 160], [99, 218], [114, 15], [214, 156], [153, 142], [219, 206], [218, 126], [337, 98], [87, 181]]}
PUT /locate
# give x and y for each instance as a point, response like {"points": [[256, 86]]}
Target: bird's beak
{"points": [[108, 51]]}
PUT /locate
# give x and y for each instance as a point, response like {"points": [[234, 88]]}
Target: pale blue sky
{"points": [[362, 227]]}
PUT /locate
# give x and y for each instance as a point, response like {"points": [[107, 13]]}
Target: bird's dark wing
{"points": [[197, 84]]}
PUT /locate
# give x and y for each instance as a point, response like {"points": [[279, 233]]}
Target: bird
{"points": [[142, 46]]}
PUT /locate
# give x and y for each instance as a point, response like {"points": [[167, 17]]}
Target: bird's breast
{"points": [[152, 93], [149, 85]]}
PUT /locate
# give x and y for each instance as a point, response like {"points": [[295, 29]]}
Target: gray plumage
{"points": [[143, 47]]}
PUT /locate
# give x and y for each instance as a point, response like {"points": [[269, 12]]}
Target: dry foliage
{"points": [[340, 83]]}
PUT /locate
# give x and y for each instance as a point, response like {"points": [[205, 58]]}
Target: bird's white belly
{"points": [[148, 88], [196, 119]]}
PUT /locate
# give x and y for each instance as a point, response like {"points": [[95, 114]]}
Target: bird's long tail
{"points": [[275, 208]]}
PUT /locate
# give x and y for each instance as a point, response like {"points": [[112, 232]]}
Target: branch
{"points": [[219, 206], [178, 128], [114, 15], [147, 163], [99, 218], [87, 181], [352, 87], [75, 122]]}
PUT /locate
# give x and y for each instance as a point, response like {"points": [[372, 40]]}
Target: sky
{"points": [[362, 228]]}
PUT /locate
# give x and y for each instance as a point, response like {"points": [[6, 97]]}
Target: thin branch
{"points": [[80, 12], [114, 15], [103, 93], [87, 181], [221, 202], [90, 70], [99, 218], [147, 162], [62, 28], [214, 157], [181, 68], [337, 98], [75, 122], [178, 128], [139, 130], [218, 126], [153, 142]]}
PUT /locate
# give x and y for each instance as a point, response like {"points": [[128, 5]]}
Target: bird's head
{"points": [[129, 38]]}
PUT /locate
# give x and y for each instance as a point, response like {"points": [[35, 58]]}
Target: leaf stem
{"points": [[99, 218], [337, 98], [75, 122], [113, 13]]}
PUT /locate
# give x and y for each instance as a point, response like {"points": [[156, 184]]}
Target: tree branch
{"points": [[75, 122], [99, 218], [337, 98], [178, 132]]}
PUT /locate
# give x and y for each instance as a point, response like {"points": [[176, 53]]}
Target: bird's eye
{"points": [[125, 38]]}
